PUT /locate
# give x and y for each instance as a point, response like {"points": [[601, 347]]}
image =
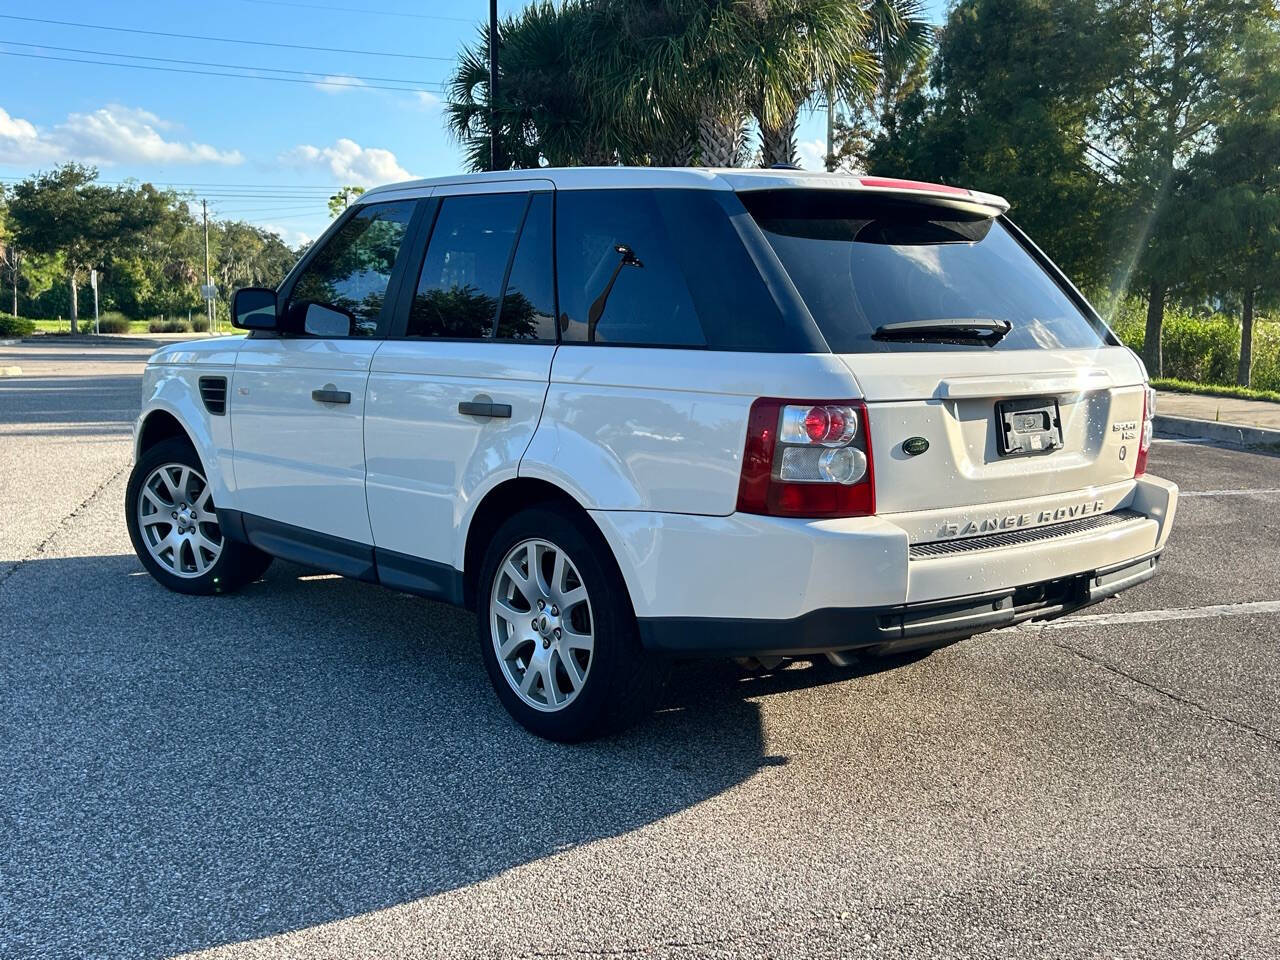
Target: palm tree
{"points": [[551, 107], [836, 48]]}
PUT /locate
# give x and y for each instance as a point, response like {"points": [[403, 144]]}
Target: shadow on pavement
{"points": [[183, 772]]}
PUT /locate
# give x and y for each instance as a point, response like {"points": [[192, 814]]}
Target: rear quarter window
{"points": [[860, 261], [689, 280]]}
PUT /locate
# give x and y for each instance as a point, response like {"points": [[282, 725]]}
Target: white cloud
{"points": [[348, 162], [110, 134], [21, 143], [338, 83], [294, 238], [813, 154], [426, 99]]}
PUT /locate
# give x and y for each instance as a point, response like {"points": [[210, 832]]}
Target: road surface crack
{"points": [[62, 525], [1172, 695]]}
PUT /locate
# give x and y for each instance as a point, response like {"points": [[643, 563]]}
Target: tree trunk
{"points": [[1246, 340], [1152, 355], [719, 141], [778, 143], [75, 301]]}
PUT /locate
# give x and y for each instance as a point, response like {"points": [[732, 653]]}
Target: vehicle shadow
{"points": [[184, 772]]}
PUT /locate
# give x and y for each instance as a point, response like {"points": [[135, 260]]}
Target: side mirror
{"points": [[254, 308]]}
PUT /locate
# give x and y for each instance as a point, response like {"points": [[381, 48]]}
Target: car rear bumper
{"points": [[743, 584], [905, 626]]}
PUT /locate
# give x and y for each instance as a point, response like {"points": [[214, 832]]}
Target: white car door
{"points": [[298, 397], [454, 397]]}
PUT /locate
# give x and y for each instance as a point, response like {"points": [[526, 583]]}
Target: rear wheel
{"points": [[557, 631], [173, 525]]}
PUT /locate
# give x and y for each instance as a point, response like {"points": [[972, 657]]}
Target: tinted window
{"points": [[350, 273], [529, 302], [467, 258], [640, 296], [860, 262]]}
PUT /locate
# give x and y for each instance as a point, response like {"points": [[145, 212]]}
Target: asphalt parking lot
{"points": [[317, 768]]}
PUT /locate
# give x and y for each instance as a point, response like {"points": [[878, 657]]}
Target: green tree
{"points": [[67, 212], [1233, 228], [1012, 96], [342, 199], [10, 255], [1163, 106]]}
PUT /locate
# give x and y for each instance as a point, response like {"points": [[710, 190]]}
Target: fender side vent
{"points": [[213, 391]]}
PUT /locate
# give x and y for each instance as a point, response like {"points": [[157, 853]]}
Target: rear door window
{"points": [[529, 300], [467, 258], [861, 262]]}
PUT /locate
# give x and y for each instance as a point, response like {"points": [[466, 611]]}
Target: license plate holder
{"points": [[1028, 426]]}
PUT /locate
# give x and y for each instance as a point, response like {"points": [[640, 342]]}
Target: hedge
{"points": [[1203, 348], [16, 326]]}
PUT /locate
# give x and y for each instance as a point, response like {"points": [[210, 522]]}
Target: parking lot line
{"points": [[1250, 609]]}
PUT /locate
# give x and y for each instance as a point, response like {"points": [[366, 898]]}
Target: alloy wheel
{"points": [[177, 520], [541, 623]]}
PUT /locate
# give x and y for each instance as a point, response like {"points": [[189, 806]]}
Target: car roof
{"points": [[739, 179]]}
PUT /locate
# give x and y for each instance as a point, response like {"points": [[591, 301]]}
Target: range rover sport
{"points": [[629, 415]]}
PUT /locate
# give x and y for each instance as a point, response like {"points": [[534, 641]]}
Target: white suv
{"points": [[631, 414]]}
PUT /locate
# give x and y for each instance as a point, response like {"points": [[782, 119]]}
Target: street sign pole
{"points": [[93, 282], [208, 281]]}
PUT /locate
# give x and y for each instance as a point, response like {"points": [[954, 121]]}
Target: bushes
{"points": [[110, 322], [1202, 348], [200, 324], [169, 326], [16, 327]]}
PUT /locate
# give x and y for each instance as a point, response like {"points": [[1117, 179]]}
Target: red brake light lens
{"points": [[891, 183], [807, 460]]}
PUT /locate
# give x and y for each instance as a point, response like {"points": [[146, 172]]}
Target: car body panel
{"points": [[428, 465], [662, 429], [299, 461]]}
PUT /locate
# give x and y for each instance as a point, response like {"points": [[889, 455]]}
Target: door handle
{"points": [[328, 395], [485, 408]]}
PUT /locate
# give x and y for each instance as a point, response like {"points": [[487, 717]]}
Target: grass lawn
{"points": [[1213, 390], [85, 325]]}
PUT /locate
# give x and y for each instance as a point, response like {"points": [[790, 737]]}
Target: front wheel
{"points": [[174, 527], [557, 631]]}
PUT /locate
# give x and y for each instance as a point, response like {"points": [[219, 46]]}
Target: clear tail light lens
{"points": [[1148, 431], [807, 460]]}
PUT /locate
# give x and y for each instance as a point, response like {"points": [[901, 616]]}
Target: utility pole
{"points": [[208, 280], [493, 84], [831, 127]]}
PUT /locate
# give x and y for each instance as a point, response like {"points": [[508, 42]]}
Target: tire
{"points": [[609, 686], [168, 492]]}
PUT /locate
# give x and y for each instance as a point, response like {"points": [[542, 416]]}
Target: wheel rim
{"points": [[177, 520], [542, 626]]}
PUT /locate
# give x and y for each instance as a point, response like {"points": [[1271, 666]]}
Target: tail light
{"points": [[1148, 430], [807, 459]]}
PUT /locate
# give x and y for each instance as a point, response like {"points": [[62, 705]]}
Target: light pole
{"points": [[493, 84]]}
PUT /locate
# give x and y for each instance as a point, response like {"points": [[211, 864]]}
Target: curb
{"points": [[1233, 433]]}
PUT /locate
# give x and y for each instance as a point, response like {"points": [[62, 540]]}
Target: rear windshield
{"points": [[861, 262]]}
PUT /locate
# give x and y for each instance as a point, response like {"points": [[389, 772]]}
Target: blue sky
{"points": [[263, 151]]}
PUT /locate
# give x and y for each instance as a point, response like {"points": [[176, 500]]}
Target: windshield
{"points": [[865, 262]]}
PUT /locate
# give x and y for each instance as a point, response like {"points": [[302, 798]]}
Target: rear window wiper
{"points": [[946, 330]]}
